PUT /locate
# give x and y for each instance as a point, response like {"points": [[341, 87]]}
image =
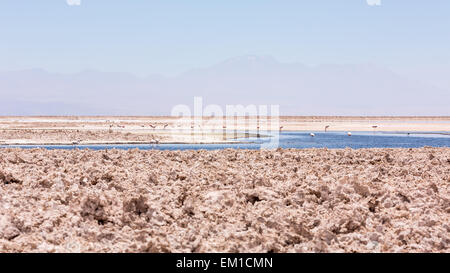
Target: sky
{"points": [[169, 37], [315, 57]]}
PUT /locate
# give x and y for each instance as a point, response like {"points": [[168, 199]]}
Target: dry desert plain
{"points": [[284, 200]]}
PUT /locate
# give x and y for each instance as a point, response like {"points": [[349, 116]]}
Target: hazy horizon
{"points": [[142, 58]]}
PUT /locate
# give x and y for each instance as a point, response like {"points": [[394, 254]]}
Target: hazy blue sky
{"points": [[171, 36]]}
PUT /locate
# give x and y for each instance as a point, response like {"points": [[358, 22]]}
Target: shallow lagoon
{"points": [[298, 140]]}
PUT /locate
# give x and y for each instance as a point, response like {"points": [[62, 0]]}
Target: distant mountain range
{"points": [[298, 89]]}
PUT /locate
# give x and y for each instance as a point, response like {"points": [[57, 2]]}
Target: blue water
{"points": [[297, 140]]}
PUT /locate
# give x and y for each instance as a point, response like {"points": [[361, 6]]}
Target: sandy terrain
{"points": [[314, 200], [117, 130]]}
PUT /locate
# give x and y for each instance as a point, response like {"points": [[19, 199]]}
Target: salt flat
{"points": [[309, 200], [107, 130]]}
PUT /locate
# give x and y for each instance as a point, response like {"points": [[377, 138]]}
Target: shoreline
{"points": [[208, 142], [118, 143], [106, 130]]}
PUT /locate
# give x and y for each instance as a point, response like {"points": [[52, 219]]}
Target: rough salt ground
{"points": [[315, 200]]}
